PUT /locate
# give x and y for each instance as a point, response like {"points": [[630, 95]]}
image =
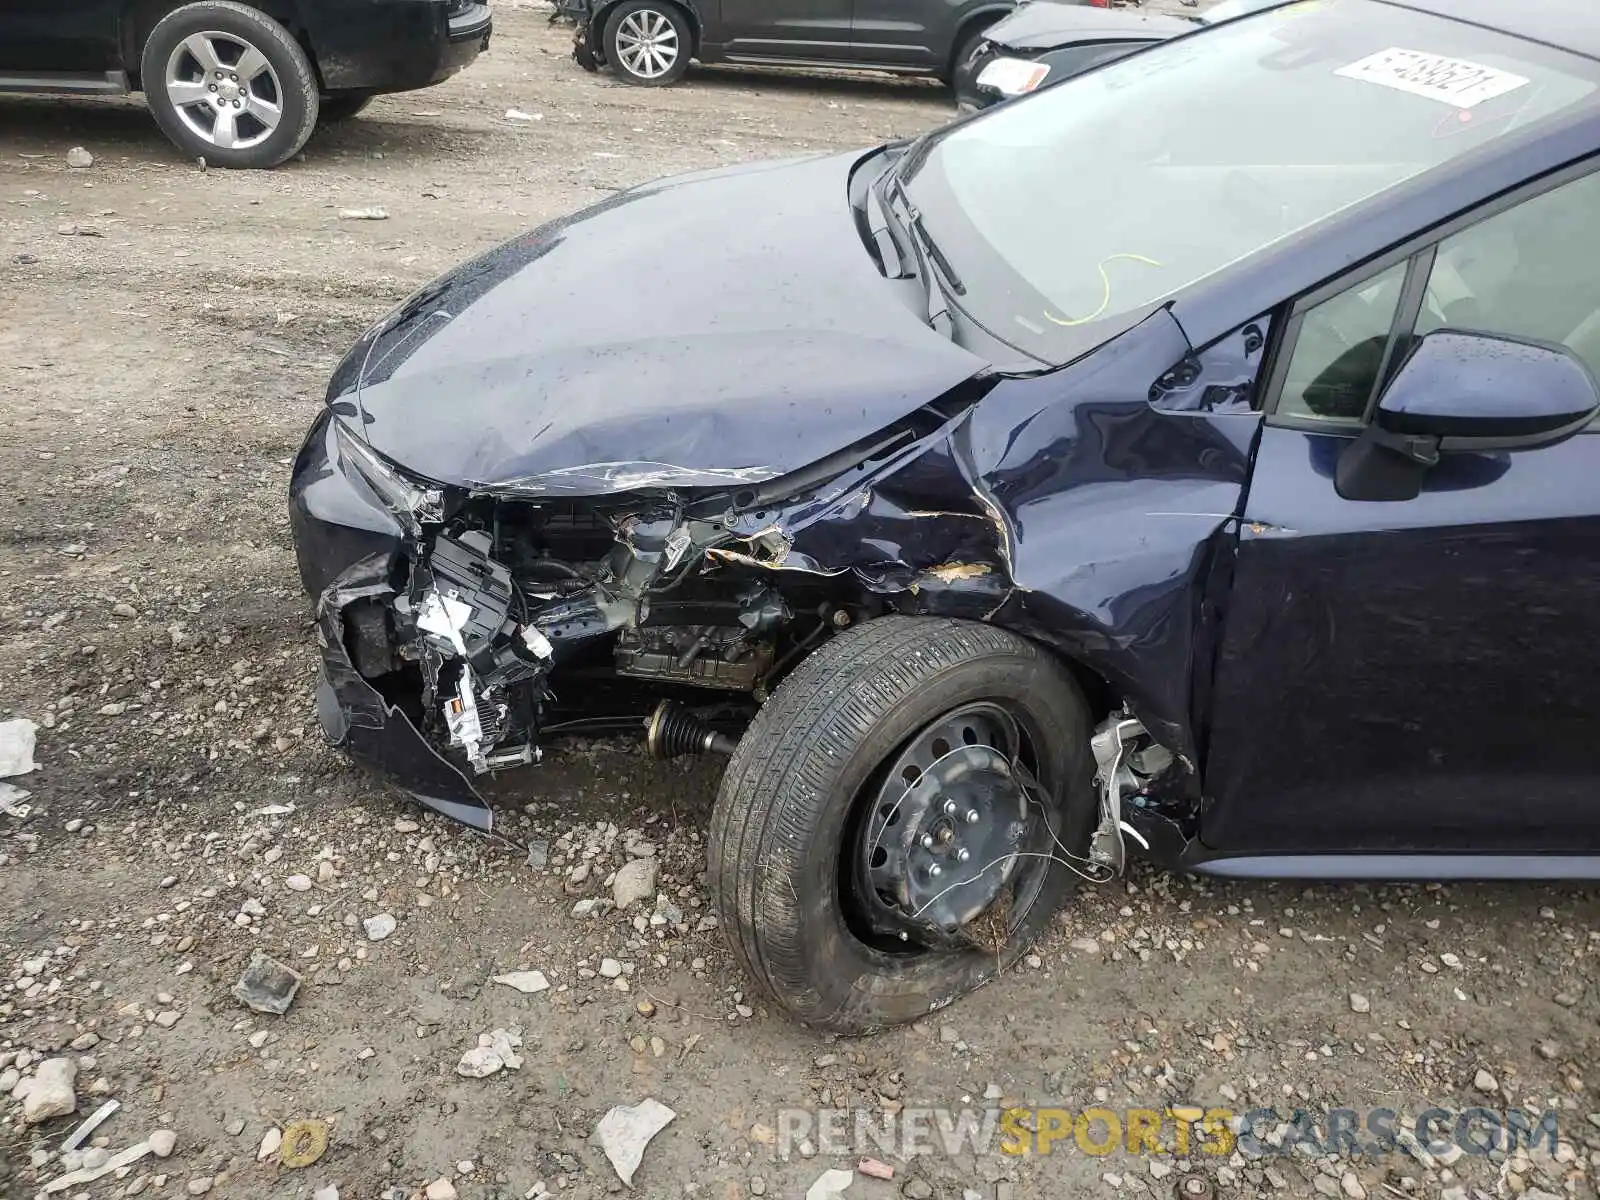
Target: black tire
{"points": [[653, 13], [341, 107], [965, 45], [291, 80], [785, 806]]}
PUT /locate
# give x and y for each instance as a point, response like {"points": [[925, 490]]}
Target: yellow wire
{"points": [[1105, 281]]}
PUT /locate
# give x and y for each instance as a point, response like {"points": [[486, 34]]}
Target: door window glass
{"points": [[1337, 357], [1528, 272]]}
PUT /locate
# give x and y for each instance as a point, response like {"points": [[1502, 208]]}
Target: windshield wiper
{"points": [[894, 188]]}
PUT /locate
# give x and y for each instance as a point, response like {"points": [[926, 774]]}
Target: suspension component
{"points": [[672, 730]]}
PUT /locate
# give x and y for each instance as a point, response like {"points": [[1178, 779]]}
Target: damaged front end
{"points": [[480, 619], [464, 624]]}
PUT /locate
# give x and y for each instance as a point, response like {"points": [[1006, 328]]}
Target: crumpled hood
{"points": [[721, 327], [1043, 25]]}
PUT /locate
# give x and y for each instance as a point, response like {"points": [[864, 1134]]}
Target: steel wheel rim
{"points": [[647, 43], [980, 737], [224, 90]]}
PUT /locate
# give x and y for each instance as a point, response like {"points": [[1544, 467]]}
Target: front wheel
{"points": [[901, 819], [228, 83], [965, 49], [648, 42]]}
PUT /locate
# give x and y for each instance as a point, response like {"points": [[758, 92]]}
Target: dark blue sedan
{"points": [[1195, 459]]}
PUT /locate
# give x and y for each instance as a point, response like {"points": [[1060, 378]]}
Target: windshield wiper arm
{"points": [[894, 187]]}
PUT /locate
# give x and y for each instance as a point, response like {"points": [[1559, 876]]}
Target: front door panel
{"points": [[1415, 675], [816, 30], [904, 32], [58, 35]]}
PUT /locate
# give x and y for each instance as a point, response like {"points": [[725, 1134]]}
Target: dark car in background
{"points": [[1046, 41], [239, 84], [651, 42]]}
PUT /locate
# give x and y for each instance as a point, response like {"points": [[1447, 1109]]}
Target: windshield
{"points": [[1227, 10], [1071, 213]]}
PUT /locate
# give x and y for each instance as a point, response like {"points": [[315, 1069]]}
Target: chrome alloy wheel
{"points": [[224, 90], [647, 43]]}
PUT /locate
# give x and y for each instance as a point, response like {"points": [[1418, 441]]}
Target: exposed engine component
{"points": [[672, 730], [718, 656], [723, 647], [1126, 759], [478, 661], [485, 633]]}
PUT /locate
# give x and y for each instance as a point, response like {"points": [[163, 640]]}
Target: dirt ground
{"points": [[165, 335]]}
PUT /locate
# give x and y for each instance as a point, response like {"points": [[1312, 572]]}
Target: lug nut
{"points": [[213, 87], [963, 854], [927, 841], [936, 870], [904, 936], [972, 816], [949, 808]]}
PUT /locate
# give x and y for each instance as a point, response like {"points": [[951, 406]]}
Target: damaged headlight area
{"points": [[410, 502]]}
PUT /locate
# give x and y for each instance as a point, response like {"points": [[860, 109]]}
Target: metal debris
{"points": [[88, 1175], [11, 801], [90, 1123]]}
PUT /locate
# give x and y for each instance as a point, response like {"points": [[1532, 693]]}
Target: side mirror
{"points": [[1461, 390]]}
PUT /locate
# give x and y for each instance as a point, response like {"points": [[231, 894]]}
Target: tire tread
{"points": [[781, 778]]}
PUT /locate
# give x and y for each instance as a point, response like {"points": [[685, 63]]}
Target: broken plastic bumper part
{"points": [[350, 544]]}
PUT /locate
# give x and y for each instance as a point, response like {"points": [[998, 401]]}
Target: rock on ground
{"points": [[635, 881], [16, 747], [626, 1130], [52, 1093], [524, 981], [379, 927], [267, 985]]}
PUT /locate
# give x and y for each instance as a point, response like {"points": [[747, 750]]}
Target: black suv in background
{"points": [[242, 85], [651, 41]]}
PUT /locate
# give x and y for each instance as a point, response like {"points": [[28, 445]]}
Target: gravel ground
{"points": [[165, 339]]}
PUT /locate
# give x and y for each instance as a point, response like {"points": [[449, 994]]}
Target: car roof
{"points": [[1572, 25]]}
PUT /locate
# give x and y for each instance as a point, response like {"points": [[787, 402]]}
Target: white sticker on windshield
{"points": [[1453, 81]]}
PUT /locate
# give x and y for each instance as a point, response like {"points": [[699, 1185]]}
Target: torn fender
{"points": [[1117, 514]]}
